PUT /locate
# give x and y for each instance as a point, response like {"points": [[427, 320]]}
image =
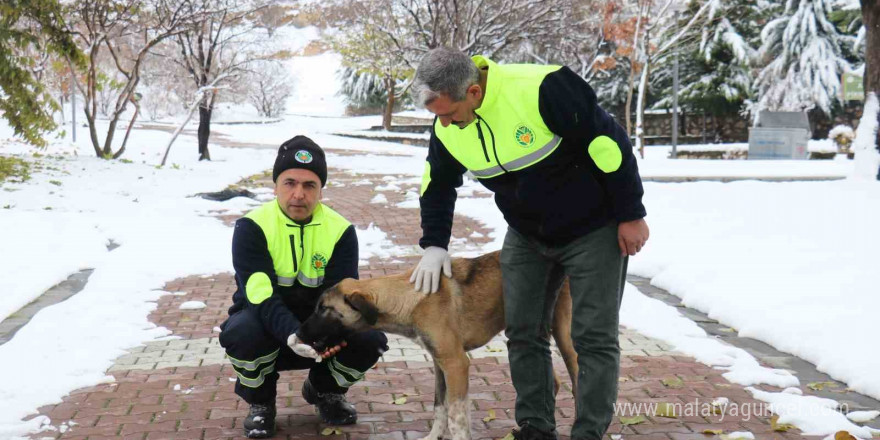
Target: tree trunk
{"points": [[137, 110], [640, 106], [633, 62], [871, 20], [389, 105], [89, 107], [108, 141], [629, 96], [205, 110], [93, 133]]}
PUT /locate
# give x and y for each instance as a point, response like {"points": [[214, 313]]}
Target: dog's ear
{"points": [[364, 305]]}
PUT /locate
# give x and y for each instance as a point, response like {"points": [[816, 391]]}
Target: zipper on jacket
{"points": [[293, 245], [293, 251], [494, 150], [482, 139]]}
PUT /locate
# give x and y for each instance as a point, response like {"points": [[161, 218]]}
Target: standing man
{"points": [[566, 180], [285, 254]]}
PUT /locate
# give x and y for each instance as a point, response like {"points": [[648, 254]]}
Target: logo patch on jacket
{"points": [[303, 156], [525, 137], [319, 261]]}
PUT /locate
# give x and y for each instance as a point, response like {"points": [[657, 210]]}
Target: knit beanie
{"points": [[301, 152]]}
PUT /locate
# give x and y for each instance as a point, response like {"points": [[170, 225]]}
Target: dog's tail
{"points": [[562, 336]]}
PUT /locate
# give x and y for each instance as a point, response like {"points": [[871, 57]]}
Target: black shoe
{"points": [[332, 407], [260, 421], [528, 432]]}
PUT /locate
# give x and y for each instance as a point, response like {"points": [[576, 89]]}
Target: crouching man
{"points": [[285, 254]]}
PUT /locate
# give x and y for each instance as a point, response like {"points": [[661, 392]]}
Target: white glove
{"points": [[303, 349], [427, 273]]}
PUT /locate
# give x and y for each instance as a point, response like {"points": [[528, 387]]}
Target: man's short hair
{"points": [[444, 71]]}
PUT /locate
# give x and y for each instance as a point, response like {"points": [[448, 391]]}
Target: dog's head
{"points": [[341, 311]]}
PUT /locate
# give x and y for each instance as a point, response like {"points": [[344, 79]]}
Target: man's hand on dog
{"points": [[307, 351], [426, 275]]}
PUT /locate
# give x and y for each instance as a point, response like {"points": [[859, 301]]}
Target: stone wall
{"points": [[695, 129], [698, 128], [849, 115]]}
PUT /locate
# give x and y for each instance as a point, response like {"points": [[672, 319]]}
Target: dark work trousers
{"points": [[533, 273], [257, 358]]}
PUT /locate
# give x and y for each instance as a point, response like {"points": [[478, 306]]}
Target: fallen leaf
{"points": [[626, 421], [736, 436], [666, 410], [819, 386], [399, 401], [843, 435], [776, 426], [509, 436], [490, 417], [713, 431], [623, 379], [331, 431], [492, 349], [672, 383]]}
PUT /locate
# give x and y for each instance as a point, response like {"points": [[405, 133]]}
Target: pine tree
{"points": [[714, 58], [804, 55]]}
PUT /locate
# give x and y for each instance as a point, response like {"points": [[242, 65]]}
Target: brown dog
{"points": [[464, 314]]}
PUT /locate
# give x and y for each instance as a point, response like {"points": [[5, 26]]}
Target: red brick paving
{"points": [[143, 404]]}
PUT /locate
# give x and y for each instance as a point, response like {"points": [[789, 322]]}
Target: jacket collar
{"points": [[317, 215], [494, 81]]}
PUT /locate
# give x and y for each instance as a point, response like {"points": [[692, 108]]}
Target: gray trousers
{"points": [[533, 273]]}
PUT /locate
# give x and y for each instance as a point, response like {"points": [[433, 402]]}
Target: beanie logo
{"points": [[303, 156]]}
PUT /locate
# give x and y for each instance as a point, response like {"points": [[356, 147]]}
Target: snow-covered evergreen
{"points": [[715, 55], [805, 58]]}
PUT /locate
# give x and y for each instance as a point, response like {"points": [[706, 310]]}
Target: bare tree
{"points": [[219, 45], [487, 27], [385, 38], [127, 30], [269, 86]]}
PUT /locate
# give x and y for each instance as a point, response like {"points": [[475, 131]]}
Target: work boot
{"points": [[528, 432], [332, 407], [260, 421]]}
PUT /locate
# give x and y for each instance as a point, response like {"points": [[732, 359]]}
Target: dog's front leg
{"points": [[441, 421], [455, 370]]}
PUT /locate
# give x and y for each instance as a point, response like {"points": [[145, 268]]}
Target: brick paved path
{"points": [[183, 388]]}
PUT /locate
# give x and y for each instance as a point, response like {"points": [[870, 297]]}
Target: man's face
{"points": [[460, 113], [298, 192]]}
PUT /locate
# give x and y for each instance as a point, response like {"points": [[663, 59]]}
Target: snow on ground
{"points": [[314, 91], [193, 305], [811, 414], [162, 235], [657, 165], [785, 263]]}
